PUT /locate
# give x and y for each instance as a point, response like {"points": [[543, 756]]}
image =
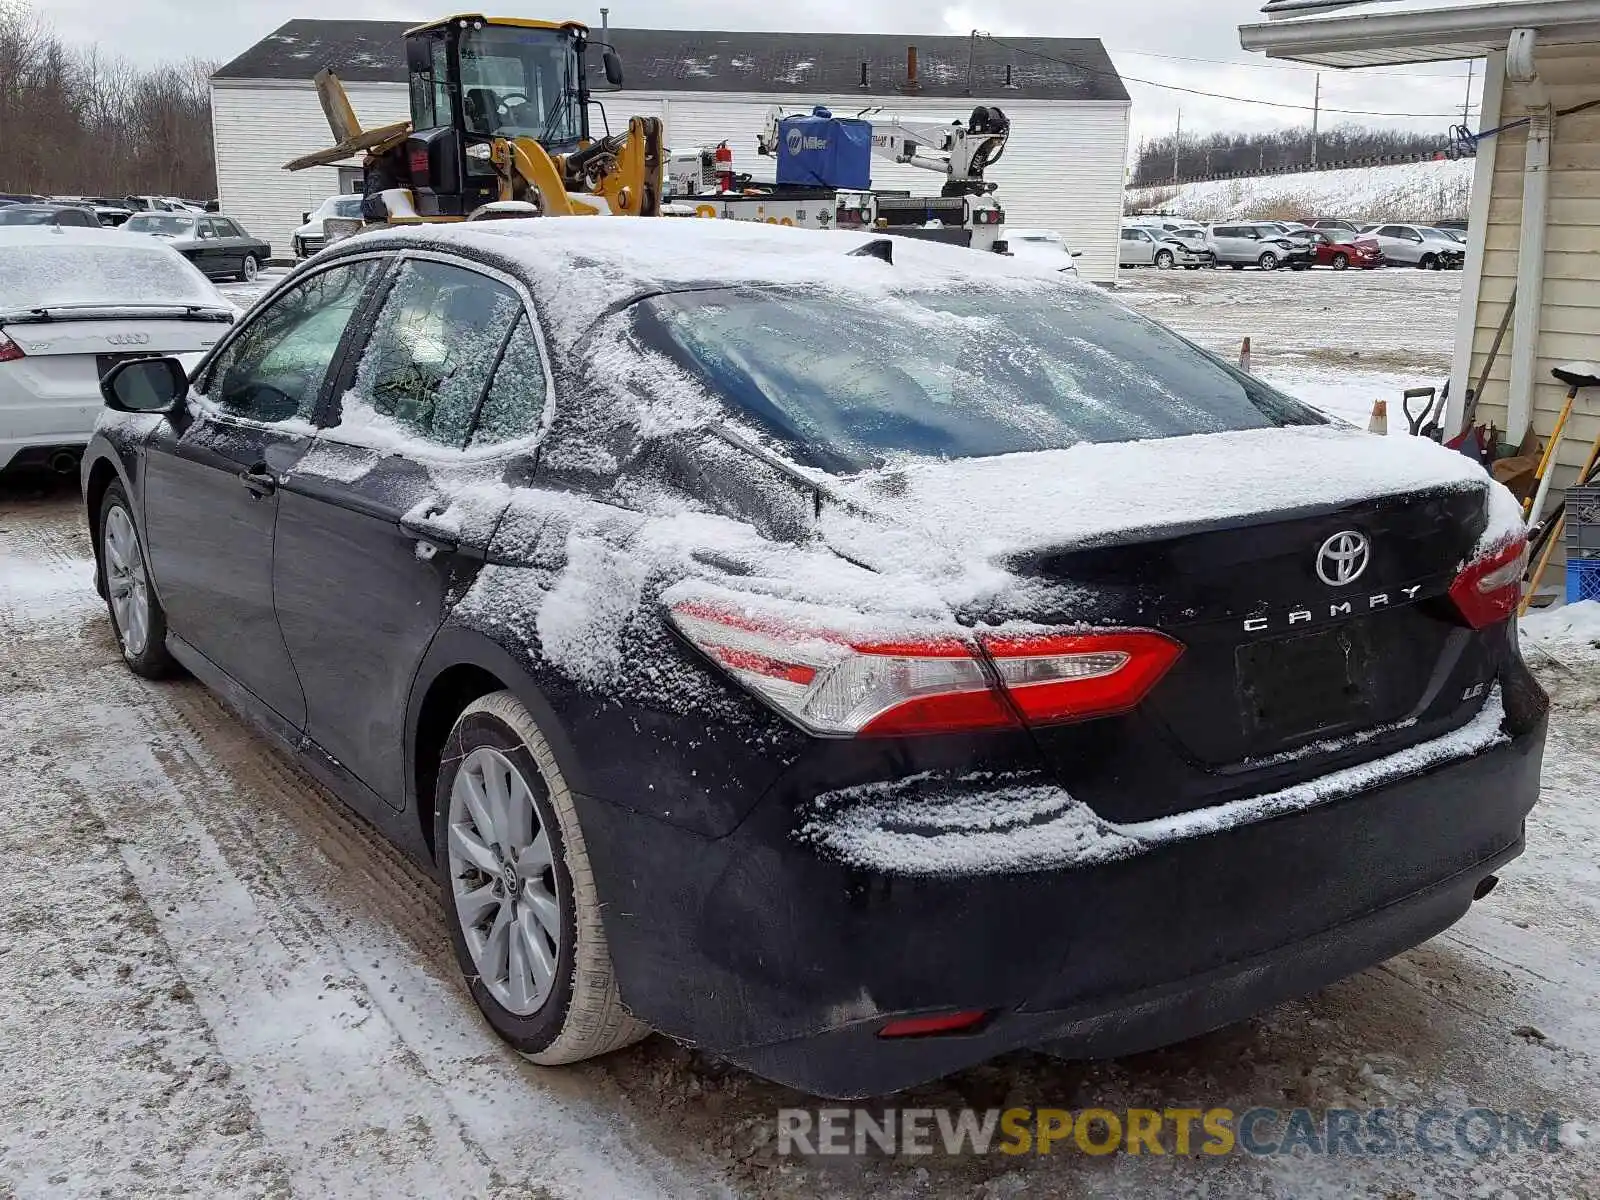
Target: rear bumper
{"points": [[43, 454], [757, 948]]}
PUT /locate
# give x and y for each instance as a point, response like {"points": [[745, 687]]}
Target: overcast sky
{"points": [[1136, 32]]}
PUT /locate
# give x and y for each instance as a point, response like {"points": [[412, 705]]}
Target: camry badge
{"points": [[1343, 558]]}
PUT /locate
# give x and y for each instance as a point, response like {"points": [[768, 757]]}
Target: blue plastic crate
{"points": [[1583, 579]]}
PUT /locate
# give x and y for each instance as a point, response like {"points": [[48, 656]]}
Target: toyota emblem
{"points": [[1343, 558]]}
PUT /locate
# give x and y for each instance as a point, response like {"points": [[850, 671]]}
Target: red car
{"points": [[1338, 249]]}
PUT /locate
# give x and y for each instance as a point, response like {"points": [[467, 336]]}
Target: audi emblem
{"points": [[1343, 558], [129, 339]]}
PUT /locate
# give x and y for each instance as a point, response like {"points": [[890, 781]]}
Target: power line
{"points": [[1172, 87]]}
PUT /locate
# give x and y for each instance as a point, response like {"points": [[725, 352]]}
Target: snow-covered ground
{"points": [[215, 981], [1337, 340], [1424, 191]]}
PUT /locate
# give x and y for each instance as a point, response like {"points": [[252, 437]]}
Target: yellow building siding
{"points": [[1570, 309]]}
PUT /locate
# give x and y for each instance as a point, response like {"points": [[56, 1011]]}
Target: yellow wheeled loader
{"points": [[500, 112]]}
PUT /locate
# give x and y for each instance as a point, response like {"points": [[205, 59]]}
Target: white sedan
{"points": [[72, 303], [1044, 245]]}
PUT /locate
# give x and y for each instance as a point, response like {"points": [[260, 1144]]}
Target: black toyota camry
{"points": [[856, 658]]}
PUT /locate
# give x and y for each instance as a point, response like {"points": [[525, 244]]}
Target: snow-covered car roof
{"points": [[53, 265], [581, 267]]}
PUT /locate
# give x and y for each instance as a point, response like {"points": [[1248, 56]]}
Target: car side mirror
{"points": [[145, 385], [613, 66], [305, 218]]}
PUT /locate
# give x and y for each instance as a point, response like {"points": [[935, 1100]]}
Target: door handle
{"points": [[258, 481]]}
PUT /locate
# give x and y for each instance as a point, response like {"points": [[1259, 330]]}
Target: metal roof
{"points": [[1364, 33], [675, 60]]}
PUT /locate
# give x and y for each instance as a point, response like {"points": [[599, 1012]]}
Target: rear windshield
{"points": [[349, 207], [845, 383], [34, 276], [166, 223]]}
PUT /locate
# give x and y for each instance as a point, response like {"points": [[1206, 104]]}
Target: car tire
{"points": [[1428, 263], [1340, 262], [251, 269], [1268, 261], [576, 1011], [138, 621], [1164, 260]]}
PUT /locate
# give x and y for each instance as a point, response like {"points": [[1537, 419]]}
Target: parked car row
{"points": [[1167, 242], [106, 211]]}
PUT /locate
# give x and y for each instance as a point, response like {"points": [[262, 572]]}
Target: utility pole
{"points": [[1316, 112], [1466, 101], [1177, 140]]}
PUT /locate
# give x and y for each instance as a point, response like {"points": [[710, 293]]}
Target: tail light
{"points": [[419, 164], [954, 1022], [1487, 590], [833, 684], [9, 350]]}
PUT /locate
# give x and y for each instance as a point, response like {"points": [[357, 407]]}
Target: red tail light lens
{"points": [[955, 1022], [9, 350], [1070, 677], [834, 685], [1487, 590], [419, 166]]}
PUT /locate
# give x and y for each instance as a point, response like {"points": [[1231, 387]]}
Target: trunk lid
{"points": [[53, 390], [1217, 541]]}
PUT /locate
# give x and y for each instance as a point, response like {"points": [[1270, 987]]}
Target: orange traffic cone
{"points": [[1380, 417]]}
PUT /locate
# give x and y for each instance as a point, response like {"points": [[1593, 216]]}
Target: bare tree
{"points": [[77, 121]]}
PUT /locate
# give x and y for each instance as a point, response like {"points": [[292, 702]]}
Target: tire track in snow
{"points": [[312, 952], [367, 1065]]}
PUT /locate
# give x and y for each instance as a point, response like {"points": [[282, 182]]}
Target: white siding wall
{"points": [[1063, 168], [258, 127], [1569, 319]]}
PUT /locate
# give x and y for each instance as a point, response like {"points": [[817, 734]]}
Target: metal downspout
{"points": [[1523, 75]]}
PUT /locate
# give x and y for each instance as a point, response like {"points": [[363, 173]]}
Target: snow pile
{"points": [[988, 825], [1568, 633], [1424, 191]]}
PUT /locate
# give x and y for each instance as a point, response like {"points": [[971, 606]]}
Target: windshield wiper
{"points": [[555, 113]]}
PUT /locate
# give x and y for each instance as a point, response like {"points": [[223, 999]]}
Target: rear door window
{"points": [[845, 384], [514, 407], [274, 367], [433, 350]]}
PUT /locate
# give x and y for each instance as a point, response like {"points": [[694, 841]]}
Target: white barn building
{"points": [[1063, 168]]}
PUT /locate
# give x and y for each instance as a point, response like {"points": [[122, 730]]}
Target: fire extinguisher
{"points": [[724, 159]]}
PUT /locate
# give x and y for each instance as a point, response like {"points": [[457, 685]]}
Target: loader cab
{"points": [[475, 79]]}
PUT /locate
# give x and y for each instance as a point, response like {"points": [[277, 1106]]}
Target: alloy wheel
{"points": [[503, 875], [1269, 261], [127, 582], [251, 270], [1340, 262]]}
